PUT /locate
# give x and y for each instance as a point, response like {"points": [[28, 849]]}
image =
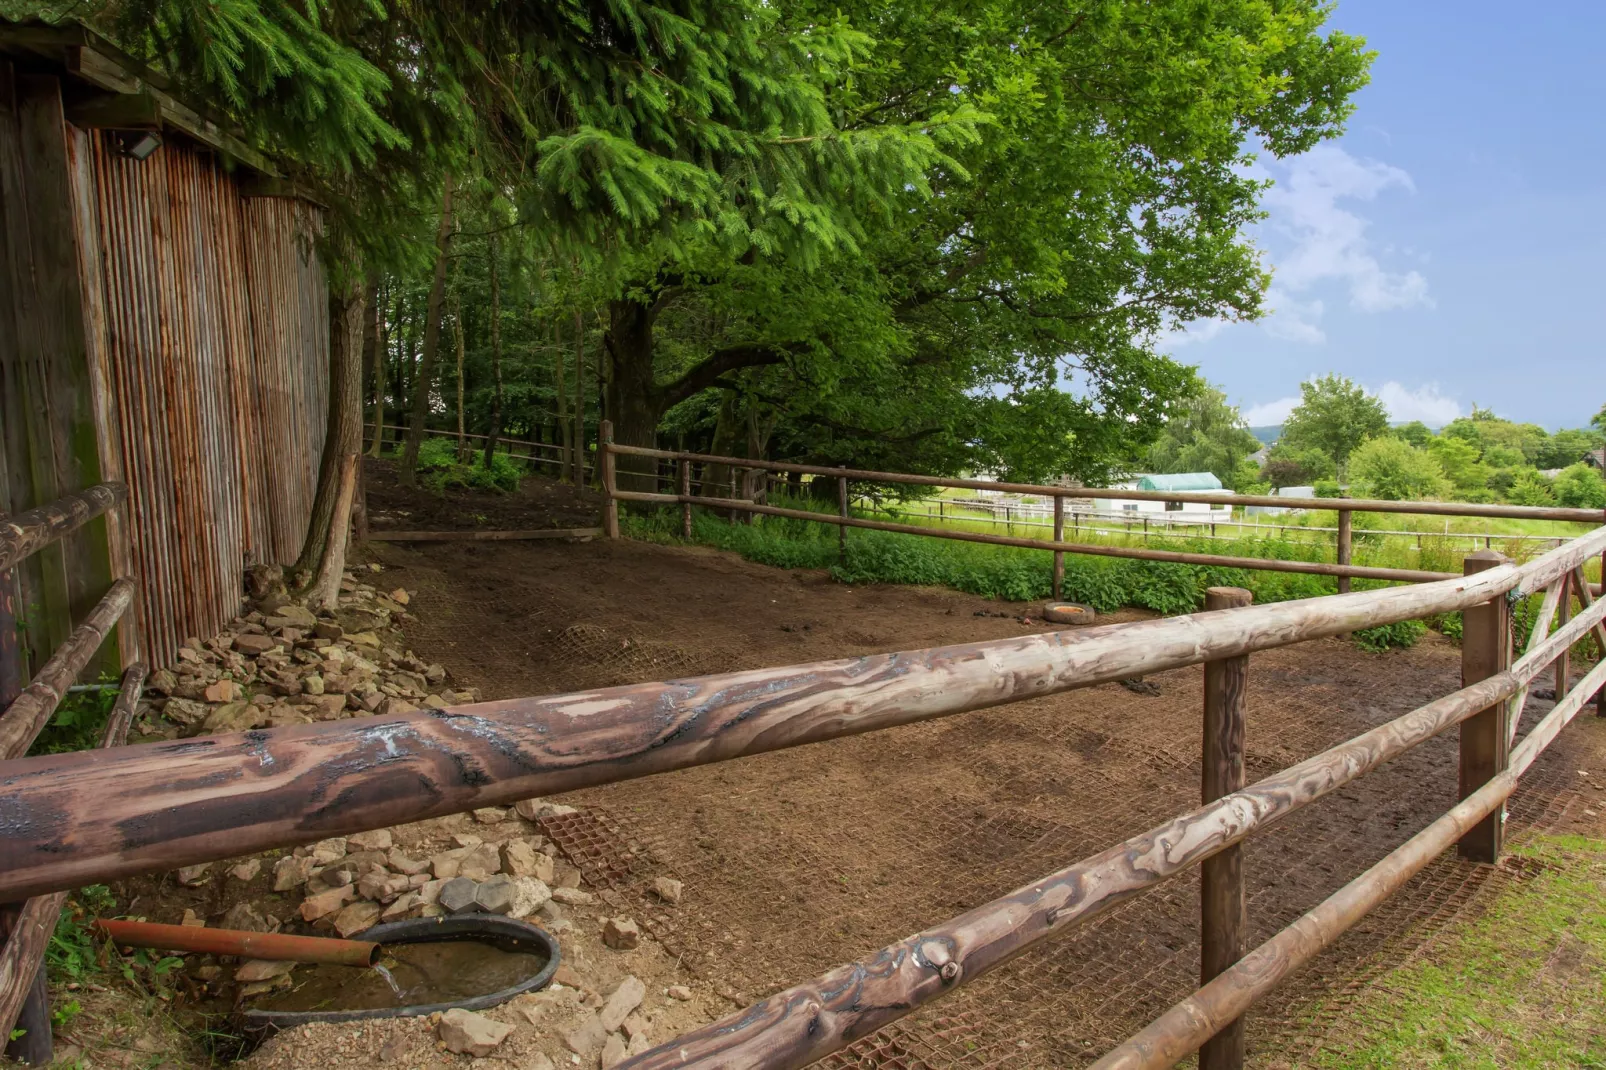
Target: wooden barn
{"points": [[163, 325]]}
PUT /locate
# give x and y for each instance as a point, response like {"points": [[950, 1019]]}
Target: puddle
{"points": [[441, 972]]}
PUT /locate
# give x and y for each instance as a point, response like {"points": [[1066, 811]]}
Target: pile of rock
{"points": [[282, 664], [353, 882]]}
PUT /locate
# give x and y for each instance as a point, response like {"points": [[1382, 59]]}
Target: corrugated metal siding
{"points": [[215, 346]]}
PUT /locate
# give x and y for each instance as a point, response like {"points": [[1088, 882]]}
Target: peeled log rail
{"points": [[74, 819], [28, 532], [36, 921], [122, 715], [1267, 564], [21, 722], [1362, 505], [483, 536], [1186, 1026], [805, 1023]]}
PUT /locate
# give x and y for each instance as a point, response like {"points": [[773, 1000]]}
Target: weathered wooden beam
{"points": [[162, 805], [21, 722], [1182, 1029], [1223, 920], [1265, 564], [28, 934], [1345, 540], [1363, 505], [1485, 652], [29, 927], [122, 712], [483, 536], [809, 1021], [607, 454], [28, 532], [117, 111]]}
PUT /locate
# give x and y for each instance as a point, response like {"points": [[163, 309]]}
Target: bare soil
{"points": [[538, 503], [797, 861]]}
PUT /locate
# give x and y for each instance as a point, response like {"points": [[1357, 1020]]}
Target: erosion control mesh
{"points": [[797, 861]]}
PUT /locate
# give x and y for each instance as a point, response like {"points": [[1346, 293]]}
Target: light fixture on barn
{"points": [[138, 143]]}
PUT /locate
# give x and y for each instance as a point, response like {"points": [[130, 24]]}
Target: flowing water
{"points": [[407, 975]]}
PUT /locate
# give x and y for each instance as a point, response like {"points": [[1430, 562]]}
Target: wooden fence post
{"points": [[1222, 922], [34, 1046], [842, 511], [1059, 555], [1564, 662], [685, 492], [1485, 651], [1345, 548], [606, 460]]}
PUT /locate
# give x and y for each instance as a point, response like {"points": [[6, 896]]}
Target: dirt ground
{"points": [[794, 862]]}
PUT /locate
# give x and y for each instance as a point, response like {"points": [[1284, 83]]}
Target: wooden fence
{"points": [[1343, 568], [162, 805], [24, 712], [95, 816]]}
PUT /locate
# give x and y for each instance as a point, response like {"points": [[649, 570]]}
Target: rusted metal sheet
{"points": [[210, 348]]}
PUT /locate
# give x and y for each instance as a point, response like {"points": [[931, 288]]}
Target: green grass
{"points": [[1521, 987], [1007, 573], [1018, 574]]}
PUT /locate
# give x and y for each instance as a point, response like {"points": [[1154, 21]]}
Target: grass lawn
{"points": [[1523, 986]]}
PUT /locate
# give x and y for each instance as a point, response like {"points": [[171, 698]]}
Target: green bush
{"points": [[1400, 635], [78, 722], [437, 461]]}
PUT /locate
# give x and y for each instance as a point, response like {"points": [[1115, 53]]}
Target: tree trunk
{"points": [[432, 341], [717, 476], [560, 381], [373, 352], [457, 331], [496, 353], [634, 404], [343, 433], [578, 443], [324, 591]]}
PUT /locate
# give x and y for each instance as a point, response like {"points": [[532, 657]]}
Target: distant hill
{"points": [[1267, 435]]}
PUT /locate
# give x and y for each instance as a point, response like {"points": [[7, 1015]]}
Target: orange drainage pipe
{"points": [[247, 945]]}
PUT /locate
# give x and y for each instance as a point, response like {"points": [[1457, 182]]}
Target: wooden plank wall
{"points": [[48, 439], [202, 367]]}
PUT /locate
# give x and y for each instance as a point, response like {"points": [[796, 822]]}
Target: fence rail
{"points": [[1343, 568], [161, 805], [24, 712], [560, 452]]}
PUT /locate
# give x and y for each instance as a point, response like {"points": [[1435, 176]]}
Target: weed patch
{"points": [[1520, 987], [440, 469]]}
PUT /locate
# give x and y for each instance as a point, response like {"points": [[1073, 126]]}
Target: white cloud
{"points": [[1315, 243], [1292, 320], [1271, 413], [1424, 403], [1329, 242]]}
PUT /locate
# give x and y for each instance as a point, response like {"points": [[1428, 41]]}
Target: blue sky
{"points": [[1449, 248]]}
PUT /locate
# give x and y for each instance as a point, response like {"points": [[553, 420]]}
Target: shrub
{"points": [[1393, 469], [437, 460], [1579, 486], [1400, 635], [1328, 488]]}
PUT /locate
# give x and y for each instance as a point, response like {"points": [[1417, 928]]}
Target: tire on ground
{"points": [[1068, 613]]}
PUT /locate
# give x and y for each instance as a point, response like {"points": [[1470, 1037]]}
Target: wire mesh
{"points": [[796, 861]]}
